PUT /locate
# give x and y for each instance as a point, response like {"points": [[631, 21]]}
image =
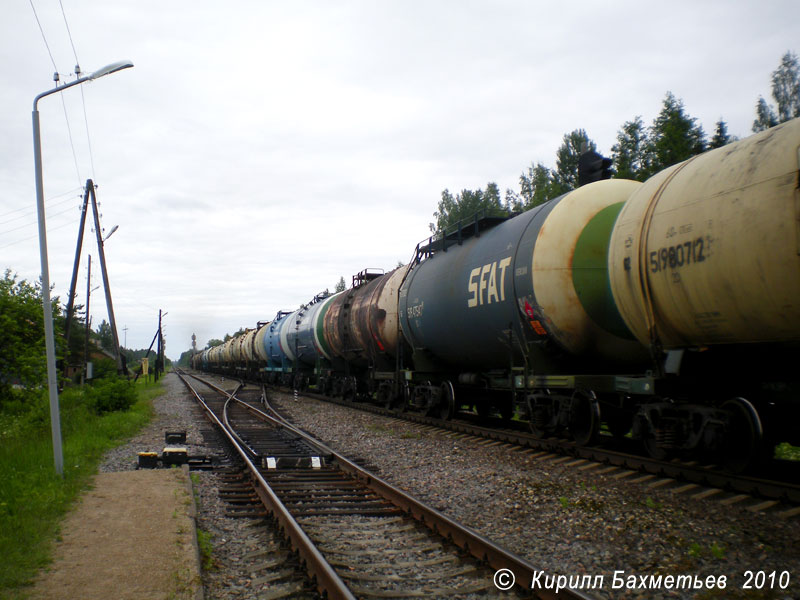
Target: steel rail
{"points": [[765, 488], [466, 538], [327, 580]]}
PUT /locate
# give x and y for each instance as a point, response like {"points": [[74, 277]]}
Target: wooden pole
{"points": [[109, 305]]}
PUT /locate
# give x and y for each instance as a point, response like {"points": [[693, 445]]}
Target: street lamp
{"points": [[49, 338]]}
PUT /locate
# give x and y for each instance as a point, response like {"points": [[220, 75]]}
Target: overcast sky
{"points": [[260, 150]]}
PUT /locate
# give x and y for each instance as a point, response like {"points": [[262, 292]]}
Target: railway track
{"points": [[357, 535], [697, 480]]}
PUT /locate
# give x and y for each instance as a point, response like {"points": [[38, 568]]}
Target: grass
{"points": [[204, 542], [33, 498], [786, 451]]}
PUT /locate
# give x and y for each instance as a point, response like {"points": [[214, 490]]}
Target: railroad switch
{"points": [[148, 460], [174, 455], [292, 462], [174, 437]]}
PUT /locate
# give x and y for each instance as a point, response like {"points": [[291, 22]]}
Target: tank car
{"points": [[705, 270], [627, 303], [516, 313], [361, 330], [668, 310]]}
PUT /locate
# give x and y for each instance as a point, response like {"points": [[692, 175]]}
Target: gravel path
{"points": [[565, 521], [239, 547]]}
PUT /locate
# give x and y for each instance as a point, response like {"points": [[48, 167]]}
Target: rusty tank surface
{"points": [[360, 325]]}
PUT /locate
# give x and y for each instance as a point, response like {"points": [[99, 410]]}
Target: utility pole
{"points": [[73, 284], [109, 305], [160, 346], [85, 370]]}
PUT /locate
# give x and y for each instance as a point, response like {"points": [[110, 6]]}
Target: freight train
{"points": [[667, 311]]}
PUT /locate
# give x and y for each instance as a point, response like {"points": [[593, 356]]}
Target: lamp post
{"points": [[49, 338]]}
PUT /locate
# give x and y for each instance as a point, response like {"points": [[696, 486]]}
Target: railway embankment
{"points": [[132, 534]]}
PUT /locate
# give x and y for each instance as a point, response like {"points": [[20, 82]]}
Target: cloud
{"points": [[259, 151]]}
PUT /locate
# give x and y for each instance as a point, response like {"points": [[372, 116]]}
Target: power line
{"points": [[83, 98], [88, 137], [34, 222], [43, 36], [69, 33], [56, 79], [50, 199], [30, 211], [49, 229], [71, 144]]}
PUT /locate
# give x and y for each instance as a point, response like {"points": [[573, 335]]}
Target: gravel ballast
{"points": [[563, 520], [567, 522]]}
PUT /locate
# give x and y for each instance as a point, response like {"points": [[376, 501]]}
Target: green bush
{"points": [[104, 368], [110, 395]]}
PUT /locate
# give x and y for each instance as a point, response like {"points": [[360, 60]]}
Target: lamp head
{"points": [[112, 68]]}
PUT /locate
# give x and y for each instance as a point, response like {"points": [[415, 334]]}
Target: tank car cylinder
{"points": [[708, 251]]}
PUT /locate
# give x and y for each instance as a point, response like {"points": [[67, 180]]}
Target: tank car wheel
{"points": [[447, 401], [584, 417], [744, 439], [654, 450]]}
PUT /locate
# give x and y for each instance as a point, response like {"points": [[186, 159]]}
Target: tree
{"points": [[22, 352], [105, 336], [630, 152], [536, 187], [765, 116], [214, 342], [185, 358], [673, 137], [785, 92], [786, 87], [565, 177], [340, 285], [721, 136], [463, 206]]}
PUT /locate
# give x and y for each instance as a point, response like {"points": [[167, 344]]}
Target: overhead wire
{"points": [[32, 211], [56, 78], [71, 144], [83, 98], [69, 34], [50, 199], [18, 227], [41, 30], [31, 237]]}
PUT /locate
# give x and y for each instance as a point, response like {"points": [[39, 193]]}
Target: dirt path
{"points": [[131, 537]]}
